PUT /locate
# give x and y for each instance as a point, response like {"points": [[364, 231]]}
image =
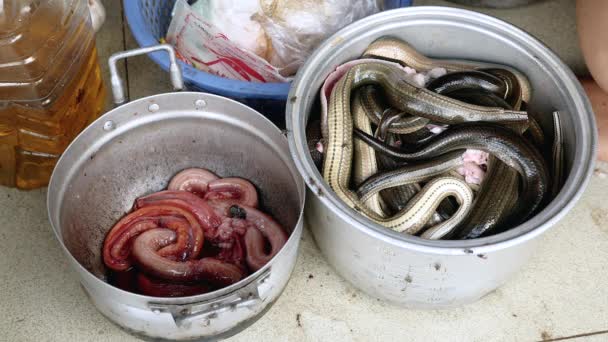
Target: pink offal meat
{"points": [[204, 233], [474, 166]]}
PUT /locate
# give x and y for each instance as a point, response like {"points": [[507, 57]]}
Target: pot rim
{"points": [[53, 210], [569, 194]]}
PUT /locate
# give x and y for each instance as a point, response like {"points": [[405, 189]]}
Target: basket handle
{"points": [[117, 84]]}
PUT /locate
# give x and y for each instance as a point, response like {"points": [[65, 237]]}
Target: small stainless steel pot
{"points": [[134, 150], [408, 270]]}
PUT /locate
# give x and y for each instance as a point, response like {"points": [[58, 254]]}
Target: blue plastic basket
{"points": [[149, 21]]}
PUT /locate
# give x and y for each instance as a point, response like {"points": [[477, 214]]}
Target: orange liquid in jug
{"points": [[61, 93]]}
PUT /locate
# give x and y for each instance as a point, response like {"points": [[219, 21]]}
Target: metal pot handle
{"points": [[117, 85], [248, 296]]}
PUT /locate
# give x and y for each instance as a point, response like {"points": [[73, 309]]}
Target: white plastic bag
{"points": [[234, 19], [207, 48], [296, 27]]}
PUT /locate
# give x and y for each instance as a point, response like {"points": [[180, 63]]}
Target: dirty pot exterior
{"points": [[407, 270], [134, 150]]}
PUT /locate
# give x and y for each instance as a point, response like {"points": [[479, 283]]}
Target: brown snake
{"points": [[396, 50]]}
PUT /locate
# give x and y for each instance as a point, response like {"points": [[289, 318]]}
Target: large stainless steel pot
{"points": [[134, 150], [408, 270]]}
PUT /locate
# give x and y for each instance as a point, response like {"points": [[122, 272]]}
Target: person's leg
{"points": [[599, 101], [592, 26]]}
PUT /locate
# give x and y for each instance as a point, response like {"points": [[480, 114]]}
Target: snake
{"points": [[558, 154], [420, 136], [364, 163], [493, 203], [518, 85], [424, 204], [492, 88], [535, 132], [470, 80], [390, 50], [399, 51], [393, 199], [496, 198], [478, 97], [394, 122], [422, 102], [396, 198], [514, 94], [500, 141], [337, 169], [409, 174], [375, 107], [484, 89]]}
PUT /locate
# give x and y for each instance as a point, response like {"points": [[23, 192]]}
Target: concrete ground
{"points": [[561, 293]]}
